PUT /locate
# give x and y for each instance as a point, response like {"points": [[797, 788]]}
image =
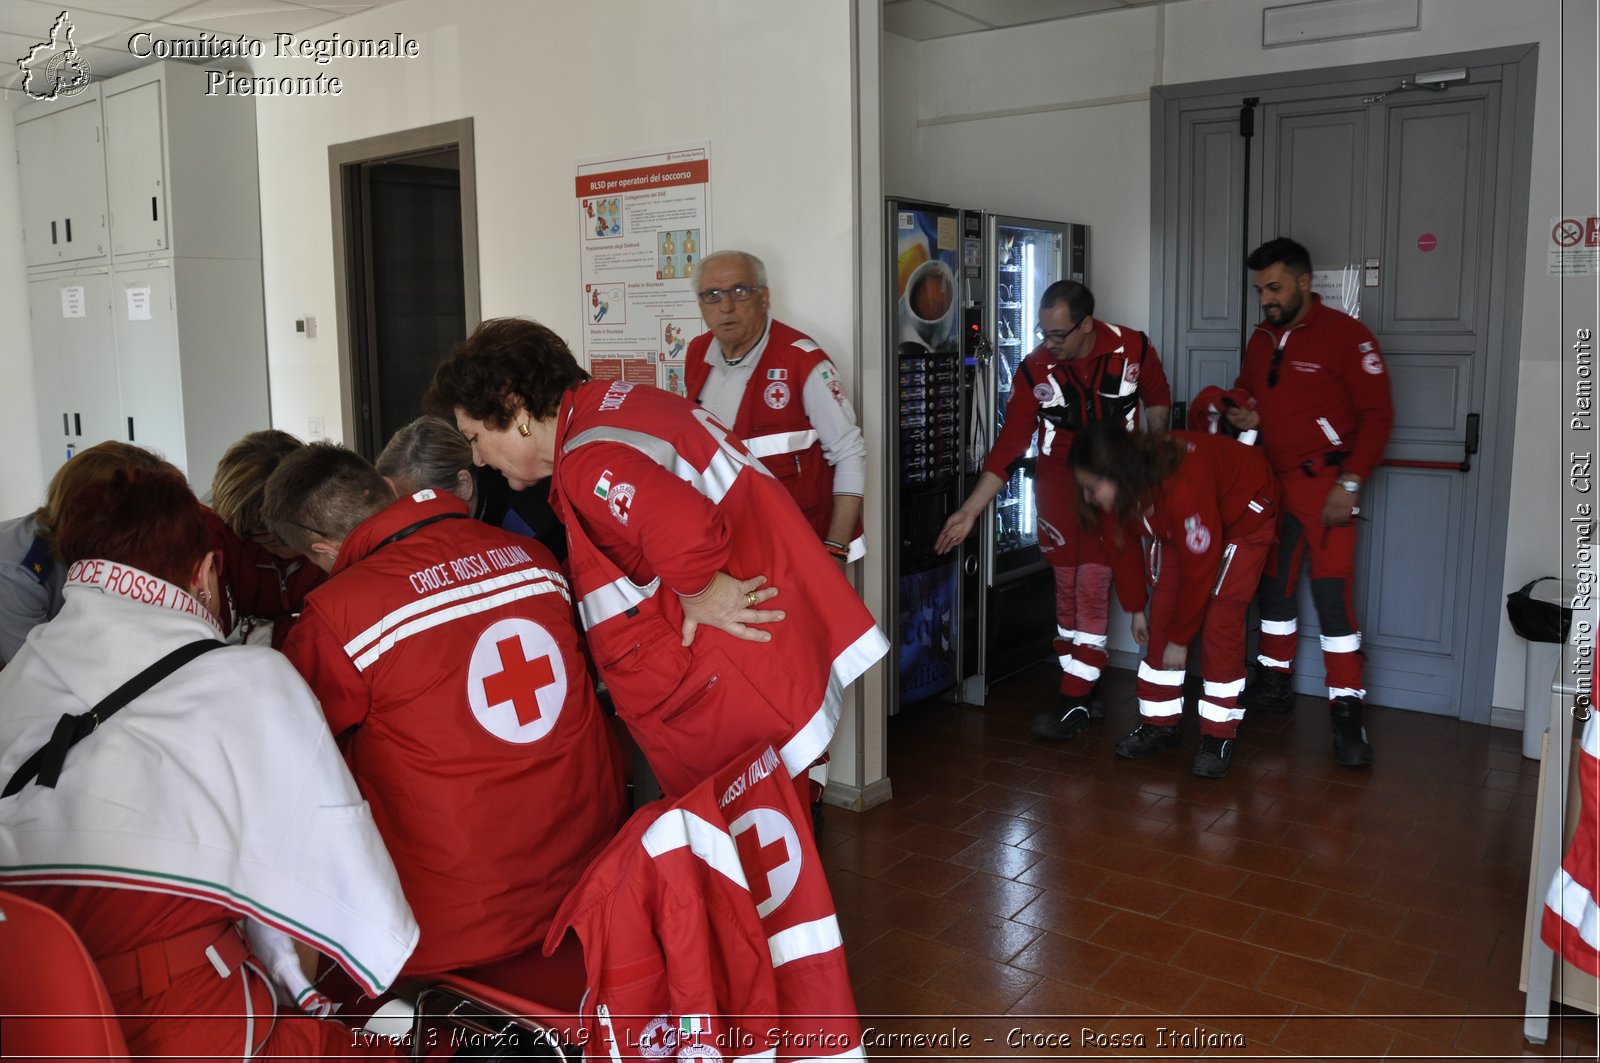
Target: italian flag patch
{"points": [[691, 1026], [602, 486], [777, 374]]}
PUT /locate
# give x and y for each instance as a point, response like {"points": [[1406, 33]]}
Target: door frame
{"points": [[348, 201], [1491, 515]]}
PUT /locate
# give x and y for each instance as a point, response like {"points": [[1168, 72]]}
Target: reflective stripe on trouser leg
{"points": [[1275, 598], [1160, 691], [1091, 611], [1341, 639], [1222, 636], [1066, 577]]}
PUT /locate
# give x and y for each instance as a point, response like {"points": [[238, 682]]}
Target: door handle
{"points": [[77, 424], [1469, 447], [130, 429]]}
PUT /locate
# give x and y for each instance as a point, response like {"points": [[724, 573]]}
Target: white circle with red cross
{"points": [[777, 394], [517, 682], [769, 852]]}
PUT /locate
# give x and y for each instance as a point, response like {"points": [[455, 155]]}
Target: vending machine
{"points": [[965, 288], [1008, 595], [935, 256]]}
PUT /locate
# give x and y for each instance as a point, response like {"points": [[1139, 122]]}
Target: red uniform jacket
{"points": [[1051, 398], [1223, 491], [657, 498], [1331, 398], [708, 922], [445, 656], [772, 419]]}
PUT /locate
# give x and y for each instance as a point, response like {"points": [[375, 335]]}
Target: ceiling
{"points": [[924, 20], [102, 27]]}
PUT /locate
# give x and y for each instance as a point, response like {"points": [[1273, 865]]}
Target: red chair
{"points": [[525, 1007], [51, 996]]}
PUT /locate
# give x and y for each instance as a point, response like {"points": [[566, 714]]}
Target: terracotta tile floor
{"points": [[1308, 910]]}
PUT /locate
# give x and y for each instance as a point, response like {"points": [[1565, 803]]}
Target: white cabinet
{"points": [[147, 310], [63, 178], [134, 153], [74, 362]]}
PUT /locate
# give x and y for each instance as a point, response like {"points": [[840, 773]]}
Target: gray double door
{"points": [[1412, 192]]}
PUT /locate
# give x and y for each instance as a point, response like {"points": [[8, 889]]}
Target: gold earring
{"points": [[522, 430]]}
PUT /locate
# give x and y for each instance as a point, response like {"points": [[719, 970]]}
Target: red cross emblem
{"points": [[519, 680], [759, 860], [771, 855], [621, 502]]}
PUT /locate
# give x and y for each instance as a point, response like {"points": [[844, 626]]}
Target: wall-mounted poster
{"points": [[642, 221]]}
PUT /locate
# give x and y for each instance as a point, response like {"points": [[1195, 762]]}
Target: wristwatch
{"points": [[1352, 486]]}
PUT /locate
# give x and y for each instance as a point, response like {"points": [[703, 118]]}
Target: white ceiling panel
{"points": [[1019, 12], [24, 17], [284, 19], [921, 20]]}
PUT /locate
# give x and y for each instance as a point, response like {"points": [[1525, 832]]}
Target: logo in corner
{"points": [[620, 502], [55, 69]]}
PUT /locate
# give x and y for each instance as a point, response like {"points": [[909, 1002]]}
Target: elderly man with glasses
{"points": [[779, 392], [1084, 370]]}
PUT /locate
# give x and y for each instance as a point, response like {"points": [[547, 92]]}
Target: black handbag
{"points": [[1534, 620]]}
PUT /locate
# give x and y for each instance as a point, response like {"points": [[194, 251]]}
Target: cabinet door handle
{"points": [[77, 424], [153, 216], [66, 429], [69, 230], [130, 429], [52, 232]]}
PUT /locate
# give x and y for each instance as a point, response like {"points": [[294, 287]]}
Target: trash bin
{"points": [[1541, 613]]}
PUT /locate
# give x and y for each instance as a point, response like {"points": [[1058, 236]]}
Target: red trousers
{"points": [[1221, 636], [1332, 552]]}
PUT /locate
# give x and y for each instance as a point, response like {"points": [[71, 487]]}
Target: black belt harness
{"points": [[45, 765]]}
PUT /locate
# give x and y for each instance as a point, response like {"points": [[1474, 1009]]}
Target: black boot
{"points": [[1269, 691], [1067, 720], [1097, 704], [1214, 758], [1350, 745], [1146, 739]]}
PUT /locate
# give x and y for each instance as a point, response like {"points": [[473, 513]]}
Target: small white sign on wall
{"points": [[138, 302], [73, 302], [1339, 288]]}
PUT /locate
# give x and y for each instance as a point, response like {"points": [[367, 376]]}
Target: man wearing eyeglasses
{"points": [[779, 392], [1084, 370], [1314, 382]]}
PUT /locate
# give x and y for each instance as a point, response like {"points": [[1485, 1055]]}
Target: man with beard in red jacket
{"points": [[1314, 382], [445, 657]]}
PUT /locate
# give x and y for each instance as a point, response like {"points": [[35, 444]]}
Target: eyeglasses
{"points": [[739, 293], [318, 532], [1055, 337]]}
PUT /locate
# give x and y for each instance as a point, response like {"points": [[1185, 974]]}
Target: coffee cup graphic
{"points": [[928, 304]]}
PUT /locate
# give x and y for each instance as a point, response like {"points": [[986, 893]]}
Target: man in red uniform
{"points": [[1314, 382], [1206, 504], [1084, 371], [444, 654], [782, 396]]}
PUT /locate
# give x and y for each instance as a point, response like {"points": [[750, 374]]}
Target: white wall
{"points": [[1084, 150], [21, 476]]}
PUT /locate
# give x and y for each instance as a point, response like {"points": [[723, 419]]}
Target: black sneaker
{"points": [[1097, 704], [1214, 758], [1350, 745], [1145, 740], [1062, 723], [1269, 691]]}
